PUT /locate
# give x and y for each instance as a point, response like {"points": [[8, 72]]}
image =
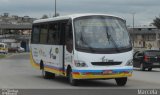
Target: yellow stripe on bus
{"points": [[37, 66], [76, 76]]}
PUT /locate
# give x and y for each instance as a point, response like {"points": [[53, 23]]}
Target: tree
{"points": [[156, 22], [44, 16]]}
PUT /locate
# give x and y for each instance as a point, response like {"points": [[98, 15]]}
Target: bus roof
{"points": [[71, 17]]}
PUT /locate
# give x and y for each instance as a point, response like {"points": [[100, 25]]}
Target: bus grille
{"points": [[106, 63]]}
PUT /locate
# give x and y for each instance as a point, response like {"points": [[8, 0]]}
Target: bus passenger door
{"points": [[67, 44]]}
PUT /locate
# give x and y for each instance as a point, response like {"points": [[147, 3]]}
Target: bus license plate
{"points": [[107, 72]]}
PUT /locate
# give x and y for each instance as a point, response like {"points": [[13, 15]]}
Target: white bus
{"points": [[82, 46]]}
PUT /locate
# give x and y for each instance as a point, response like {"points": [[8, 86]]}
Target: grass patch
{"points": [[2, 56]]}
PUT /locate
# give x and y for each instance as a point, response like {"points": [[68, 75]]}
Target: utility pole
{"points": [[55, 8], [133, 14]]}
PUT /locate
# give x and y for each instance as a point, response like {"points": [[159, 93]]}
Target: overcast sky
{"points": [[145, 10]]}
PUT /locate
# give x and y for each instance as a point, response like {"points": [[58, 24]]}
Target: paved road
{"points": [[147, 76], [17, 72]]}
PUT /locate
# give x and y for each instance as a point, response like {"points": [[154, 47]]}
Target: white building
{"points": [[145, 37]]}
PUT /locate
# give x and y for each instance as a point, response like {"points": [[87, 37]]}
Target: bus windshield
{"points": [[101, 33]]}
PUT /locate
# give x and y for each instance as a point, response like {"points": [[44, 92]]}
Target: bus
{"points": [[3, 48], [82, 47]]}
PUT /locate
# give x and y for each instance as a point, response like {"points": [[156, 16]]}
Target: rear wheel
{"points": [[47, 75], [72, 81], [121, 81], [142, 68]]}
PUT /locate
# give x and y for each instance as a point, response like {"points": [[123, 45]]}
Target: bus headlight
{"points": [[79, 63], [129, 63]]}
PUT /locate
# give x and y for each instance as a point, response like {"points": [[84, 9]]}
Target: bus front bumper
{"points": [[101, 74]]}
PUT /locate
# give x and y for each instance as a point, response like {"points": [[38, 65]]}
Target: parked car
{"points": [[147, 59], [20, 49], [16, 49]]}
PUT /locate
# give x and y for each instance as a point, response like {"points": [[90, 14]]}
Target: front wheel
{"points": [[72, 81], [121, 81]]}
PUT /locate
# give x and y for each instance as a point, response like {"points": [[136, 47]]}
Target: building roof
{"points": [[144, 26]]}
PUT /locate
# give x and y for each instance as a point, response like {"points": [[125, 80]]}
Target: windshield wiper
{"points": [[109, 37]]}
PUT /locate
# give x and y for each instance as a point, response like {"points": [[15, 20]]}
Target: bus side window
{"points": [[53, 34], [35, 34], [43, 33]]}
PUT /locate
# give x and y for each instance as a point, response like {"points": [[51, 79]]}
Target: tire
{"points": [[149, 69], [142, 68], [121, 81], [72, 81], [47, 75]]}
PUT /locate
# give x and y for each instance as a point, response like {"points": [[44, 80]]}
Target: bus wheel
{"points": [[45, 74], [71, 80], [121, 81], [48, 75]]}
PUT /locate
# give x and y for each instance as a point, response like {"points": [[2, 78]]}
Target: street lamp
{"points": [[133, 14], [55, 8]]}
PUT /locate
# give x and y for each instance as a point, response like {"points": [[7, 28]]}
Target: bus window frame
{"points": [[100, 51], [61, 36]]}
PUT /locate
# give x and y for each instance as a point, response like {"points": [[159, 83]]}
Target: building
{"points": [[145, 37], [15, 30]]}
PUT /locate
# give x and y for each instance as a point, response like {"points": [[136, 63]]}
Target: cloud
{"points": [[5, 1], [144, 9]]}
